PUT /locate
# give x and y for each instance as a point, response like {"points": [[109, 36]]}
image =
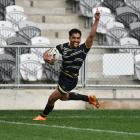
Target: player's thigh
{"points": [[66, 84]]}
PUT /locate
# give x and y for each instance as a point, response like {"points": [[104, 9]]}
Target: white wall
{"points": [[37, 99]]}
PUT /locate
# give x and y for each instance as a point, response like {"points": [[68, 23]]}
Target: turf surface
{"points": [[71, 125]]}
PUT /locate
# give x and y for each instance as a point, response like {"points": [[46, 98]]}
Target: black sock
{"points": [[76, 96], [47, 110]]}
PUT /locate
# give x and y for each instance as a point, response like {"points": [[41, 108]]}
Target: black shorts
{"points": [[66, 83]]}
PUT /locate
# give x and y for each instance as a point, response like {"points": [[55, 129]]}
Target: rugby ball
{"points": [[51, 54]]}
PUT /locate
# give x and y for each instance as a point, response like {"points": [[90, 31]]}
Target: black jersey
{"points": [[73, 58]]}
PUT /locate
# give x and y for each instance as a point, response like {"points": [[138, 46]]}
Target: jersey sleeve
{"points": [[85, 48], [60, 48]]}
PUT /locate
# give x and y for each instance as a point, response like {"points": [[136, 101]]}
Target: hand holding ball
{"points": [[51, 56]]}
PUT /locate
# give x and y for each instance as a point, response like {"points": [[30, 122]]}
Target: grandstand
{"points": [[29, 27]]}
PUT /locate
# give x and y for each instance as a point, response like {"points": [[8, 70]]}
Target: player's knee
{"points": [[64, 97]]}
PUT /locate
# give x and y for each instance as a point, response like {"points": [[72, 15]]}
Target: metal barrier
{"points": [[105, 67], [108, 67]]}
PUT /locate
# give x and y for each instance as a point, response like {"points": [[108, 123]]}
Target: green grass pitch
{"points": [[71, 125]]}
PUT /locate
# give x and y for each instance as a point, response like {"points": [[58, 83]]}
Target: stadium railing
{"points": [[105, 67]]}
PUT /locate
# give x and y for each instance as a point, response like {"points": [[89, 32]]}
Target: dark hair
{"points": [[74, 31]]}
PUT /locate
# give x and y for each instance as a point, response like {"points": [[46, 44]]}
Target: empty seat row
{"points": [[30, 68], [32, 65], [17, 30]]}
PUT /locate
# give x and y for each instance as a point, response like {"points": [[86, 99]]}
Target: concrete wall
{"points": [[32, 99], [37, 99]]}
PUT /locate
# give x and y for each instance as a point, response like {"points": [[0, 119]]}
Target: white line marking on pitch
{"points": [[71, 128]]}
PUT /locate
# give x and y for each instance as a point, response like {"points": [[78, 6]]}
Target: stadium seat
{"points": [[135, 30], [105, 18], [28, 30], [131, 44], [17, 40], [7, 68], [15, 14], [2, 51], [7, 2], [3, 5], [30, 67], [126, 15], [135, 5], [37, 43], [2, 12], [86, 7], [2, 44], [115, 31], [52, 71], [6, 30], [113, 4]]}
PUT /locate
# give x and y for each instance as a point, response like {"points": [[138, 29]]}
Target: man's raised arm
{"points": [[90, 38]]}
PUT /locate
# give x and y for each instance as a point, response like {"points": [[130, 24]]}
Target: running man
{"points": [[73, 56]]}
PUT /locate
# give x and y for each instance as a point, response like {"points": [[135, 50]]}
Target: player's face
{"points": [[75, 40]]}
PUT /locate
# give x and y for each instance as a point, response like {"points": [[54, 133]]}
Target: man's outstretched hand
{"points": [[97, 15], [49, 57]]}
